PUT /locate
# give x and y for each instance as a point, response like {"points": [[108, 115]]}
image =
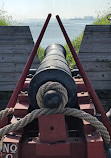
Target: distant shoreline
{"points": [[75, 18], [85, 18]]}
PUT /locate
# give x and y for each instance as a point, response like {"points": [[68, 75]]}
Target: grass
{"points": [[5, 19], [76, 44], [101, 21], [40, 53]]}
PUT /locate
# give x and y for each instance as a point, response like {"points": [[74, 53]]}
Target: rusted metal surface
{"points": [[11, 147], [94, 145], [83, 98], [52, 128], [89, 108], [21, 109]]}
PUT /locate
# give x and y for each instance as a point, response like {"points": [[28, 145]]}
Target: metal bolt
{"points": [[52, 128]]}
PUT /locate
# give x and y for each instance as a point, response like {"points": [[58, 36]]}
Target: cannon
{"points": [[51, 130], [53, 67]]}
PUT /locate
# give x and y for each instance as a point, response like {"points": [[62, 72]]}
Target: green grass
{"points": [[5, 19], [40, 53], [76, 44], [101, 21]]}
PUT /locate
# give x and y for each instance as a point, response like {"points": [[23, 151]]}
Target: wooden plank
{"points": [[4, 58], [97, 47], [97, 28], [14, 29], [11, 47], [96, 66], [104, 94], [11, 67], [16, 42], [8, 77], [97, 34], [106, 103], [7, 86], [16, 36], [16, 49], [94, 56], [100, 76], [14, 67], [25, 50], [104, 85], [96, 38], [23, 38], [5, 95], [16, 58]]}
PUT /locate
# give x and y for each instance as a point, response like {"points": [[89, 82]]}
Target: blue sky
{"points": [[31, 9]]}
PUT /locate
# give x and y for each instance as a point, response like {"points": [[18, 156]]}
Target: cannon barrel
{"points": [[53, 67]]}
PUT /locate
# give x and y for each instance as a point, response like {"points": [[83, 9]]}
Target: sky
{"points": [[39, 9]]}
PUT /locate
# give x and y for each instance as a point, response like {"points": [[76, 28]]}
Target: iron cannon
{"points": [[53, 67]]}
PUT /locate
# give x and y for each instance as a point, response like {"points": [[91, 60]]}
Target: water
{"points": [[53, 32]]}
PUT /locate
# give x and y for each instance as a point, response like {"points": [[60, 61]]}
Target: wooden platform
{"points": [[16, 44], [95, 55]]}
